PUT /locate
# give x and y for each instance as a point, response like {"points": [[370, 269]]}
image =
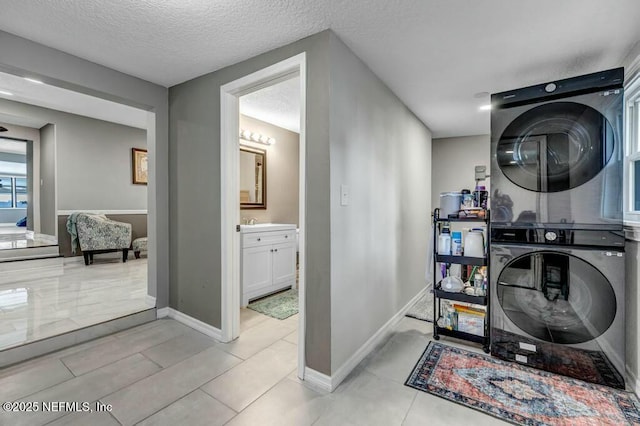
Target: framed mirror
{"points": [[253, 178]]}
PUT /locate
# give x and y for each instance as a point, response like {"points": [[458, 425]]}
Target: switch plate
{"points": [[344, 195], [481, 172]]}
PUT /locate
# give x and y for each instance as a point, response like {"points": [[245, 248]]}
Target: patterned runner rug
{"points": [[519, 394], [280, 305]]}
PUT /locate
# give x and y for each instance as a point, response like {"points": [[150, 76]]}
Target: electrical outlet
{"points": [[481, 172]]}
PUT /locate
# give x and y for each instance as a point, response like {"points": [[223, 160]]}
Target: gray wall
{"points": [[282, 173], [379, 241], [48, 209], [93, 159], [22, 57], [453, 164], [194, 152]]}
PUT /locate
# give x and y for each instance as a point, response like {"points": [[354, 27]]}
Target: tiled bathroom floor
{"points": [[82, 296], [164, 373]]}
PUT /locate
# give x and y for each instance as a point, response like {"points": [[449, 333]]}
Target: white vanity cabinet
{"points": [[268, 259]]}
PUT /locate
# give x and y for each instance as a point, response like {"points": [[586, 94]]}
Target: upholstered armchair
{"points": [[99, 234]]}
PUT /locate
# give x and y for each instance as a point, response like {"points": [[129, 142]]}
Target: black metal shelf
{"points": [[462, 260], [461, 335], [462, 219], [437, 218], [460, 297]]}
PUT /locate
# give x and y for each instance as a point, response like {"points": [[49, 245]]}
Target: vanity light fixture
{"points": [[247, 135]]}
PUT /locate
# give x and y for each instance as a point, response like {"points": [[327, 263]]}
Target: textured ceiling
{"points": [[278, 104], [434, 54]]}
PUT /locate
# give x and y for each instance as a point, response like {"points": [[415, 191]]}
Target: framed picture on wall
{"points": [[140, 165]]}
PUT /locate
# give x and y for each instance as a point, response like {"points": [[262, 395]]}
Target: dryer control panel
{"points": [[559, 237]]}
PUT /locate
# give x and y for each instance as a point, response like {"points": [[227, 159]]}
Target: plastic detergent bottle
{"points": [[444, 242], [456, 243]]}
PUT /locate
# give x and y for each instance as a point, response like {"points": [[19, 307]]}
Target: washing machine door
{"points": [[556, 297], [555, 147]]}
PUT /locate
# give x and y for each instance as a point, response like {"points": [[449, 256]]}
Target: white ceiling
{"points": [[65, 100], [434, 54], [278, 104]]}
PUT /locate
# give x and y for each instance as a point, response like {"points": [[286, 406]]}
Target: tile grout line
{"points": [[159, 371], [252, 402], [152, 361], [415, 396]]}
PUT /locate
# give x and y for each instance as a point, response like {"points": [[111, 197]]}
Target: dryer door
{"points": [[555, 147], [556, 297]]}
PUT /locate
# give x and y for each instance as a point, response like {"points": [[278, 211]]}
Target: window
{"points": [[6, 192], [632, 150], [13, 192], [21, 192]]}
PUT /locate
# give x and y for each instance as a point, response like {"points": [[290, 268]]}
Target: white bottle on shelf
{"points": [[444, 242]]}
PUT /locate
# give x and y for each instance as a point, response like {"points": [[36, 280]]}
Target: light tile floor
{"points": [[82, 296], [164, 373]]}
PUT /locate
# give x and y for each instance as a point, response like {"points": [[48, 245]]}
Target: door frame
{"points": [[230, 195]]}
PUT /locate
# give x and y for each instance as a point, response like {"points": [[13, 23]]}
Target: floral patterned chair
{"points": [[99, 234]]}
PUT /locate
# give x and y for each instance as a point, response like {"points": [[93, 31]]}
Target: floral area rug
{"points": [[423, 308], [518, 394], [280, 305]]}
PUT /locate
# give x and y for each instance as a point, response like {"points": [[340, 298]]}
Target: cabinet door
{"points": [[284, 264], [256, 268]]}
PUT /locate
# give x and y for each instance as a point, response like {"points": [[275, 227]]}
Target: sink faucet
{"points": [[252, 221]]}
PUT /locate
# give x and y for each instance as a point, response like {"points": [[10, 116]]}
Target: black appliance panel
{"points": [[604, 80], [557, 237]]}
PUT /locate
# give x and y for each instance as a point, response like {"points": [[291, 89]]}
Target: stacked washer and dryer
{"points": [[557, 241]]}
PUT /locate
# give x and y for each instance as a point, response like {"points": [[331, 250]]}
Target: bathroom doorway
{"points": [[252, 138]]}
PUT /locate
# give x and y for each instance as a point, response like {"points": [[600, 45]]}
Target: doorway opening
{"points": [[254, 203], [45, 288]]}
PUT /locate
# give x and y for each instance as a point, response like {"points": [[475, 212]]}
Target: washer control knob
{"points": [[551, 87], [551, 236]]}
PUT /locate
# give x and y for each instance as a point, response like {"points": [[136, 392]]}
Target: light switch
{"points": [[344, 195]]}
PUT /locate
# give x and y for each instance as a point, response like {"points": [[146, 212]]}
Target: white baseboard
{"points": [[197, 325], [380, 336], [150, 301], [162, 312], [317, 380], [330, 383]]}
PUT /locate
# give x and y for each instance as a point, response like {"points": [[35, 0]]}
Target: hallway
{"points": [[164, 373]]}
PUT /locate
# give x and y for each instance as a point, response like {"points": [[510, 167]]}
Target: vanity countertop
{"points": [[266, 227]]}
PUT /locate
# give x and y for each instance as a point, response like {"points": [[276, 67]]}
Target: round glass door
{"points": [[556, 297], [555, 147]]}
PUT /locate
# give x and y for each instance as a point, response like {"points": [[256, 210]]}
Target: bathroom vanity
{"points": [[268, 259]]}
